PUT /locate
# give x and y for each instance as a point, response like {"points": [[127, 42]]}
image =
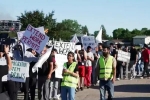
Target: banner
{"points": [[89, 41], [60, 60], [64, 47], [19, 71], [123, 56], [34, 39]]}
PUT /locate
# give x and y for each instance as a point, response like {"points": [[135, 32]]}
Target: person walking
{"points": [[106, 68], [146, 60], [70, 78]]}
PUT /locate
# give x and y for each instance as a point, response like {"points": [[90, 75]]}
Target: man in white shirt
{"points": [[88, 67]]}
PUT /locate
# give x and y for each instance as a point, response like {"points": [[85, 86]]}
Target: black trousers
{"points": [[12, 88], [118, 69], [146, 69], [26, 89], [32, 86]]}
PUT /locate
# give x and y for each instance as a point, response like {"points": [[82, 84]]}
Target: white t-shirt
{"points": [[88, 62]]}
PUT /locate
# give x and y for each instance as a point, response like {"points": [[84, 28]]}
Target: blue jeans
{"points": [[106, 86], [67, 91], [139, 67]]}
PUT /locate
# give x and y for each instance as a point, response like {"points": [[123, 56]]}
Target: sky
{"points": [[112, 14]]}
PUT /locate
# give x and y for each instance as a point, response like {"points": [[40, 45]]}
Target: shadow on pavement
{"points": [[133, 98], [140, 88]]}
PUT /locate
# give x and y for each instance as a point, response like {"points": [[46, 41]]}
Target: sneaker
{"points": [[141, 77], [118, 79]]}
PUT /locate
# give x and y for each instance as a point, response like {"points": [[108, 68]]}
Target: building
{"points": [[141, 39], [9, 25], [118, 41]]}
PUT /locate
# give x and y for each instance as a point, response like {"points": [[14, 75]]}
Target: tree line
{"points": [[68, 27]]}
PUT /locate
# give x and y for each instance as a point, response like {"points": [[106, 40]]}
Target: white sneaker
{"points": [[118, 79]]}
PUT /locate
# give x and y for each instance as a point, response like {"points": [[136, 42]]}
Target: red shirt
{"points": [[145, 55]]}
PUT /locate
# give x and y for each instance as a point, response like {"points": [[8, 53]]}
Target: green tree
{"points": [[66, 29], [85, 30], [36, 19]]}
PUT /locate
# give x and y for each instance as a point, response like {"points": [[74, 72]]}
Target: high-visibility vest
{"points": [[68, 80], [106, 69]]}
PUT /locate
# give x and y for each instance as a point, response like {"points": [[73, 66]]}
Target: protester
{"points": [[44, 76], [4, 68], [82, 57], [146, 60], [133, 61], [106, 69], [88, 67], [70, 78], [54, 82]]}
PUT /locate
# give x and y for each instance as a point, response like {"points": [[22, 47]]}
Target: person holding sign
{"points": [[70, 78], [4, 68]]}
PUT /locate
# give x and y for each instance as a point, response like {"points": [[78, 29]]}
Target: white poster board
{"points": [[60, 60], [34, 39], [3, 62], [123, 56], [19, 71], [64, 47], [77, 47], [88, 41], [20, 33]]}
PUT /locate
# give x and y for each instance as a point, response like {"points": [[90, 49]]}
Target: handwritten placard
{"points": [[20, 33], [60, 60], [19, 71], [34, 39], [64, 47], [123, 56], [88, 41]]}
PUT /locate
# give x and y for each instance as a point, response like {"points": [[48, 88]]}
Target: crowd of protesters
{"points": [[84, 69]]}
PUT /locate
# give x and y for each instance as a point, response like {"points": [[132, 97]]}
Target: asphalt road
{"points": [[137, 89]]}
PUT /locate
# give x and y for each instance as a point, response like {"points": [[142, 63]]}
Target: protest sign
{"points": [[19, 71], [88, 41], [34, 39], [123, 56], [3, 62], [60, 60], [42, 59], [77, 47], [64, 47], [20, 34]]}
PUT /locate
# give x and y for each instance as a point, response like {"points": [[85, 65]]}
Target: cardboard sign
{"points": [[19, 71], [64, 47], [34, 39], [88, 41], [21, 33], [60, 60], [123, 56]]}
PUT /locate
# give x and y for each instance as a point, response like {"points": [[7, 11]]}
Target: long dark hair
{"points": [[71, 53]]}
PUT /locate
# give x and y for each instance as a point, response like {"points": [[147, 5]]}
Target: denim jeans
{"points": [[54, 84], [139, 68], [106, 86], [67, 93]]}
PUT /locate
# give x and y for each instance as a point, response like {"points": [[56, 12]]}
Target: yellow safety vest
{"points": [[106, 70], [68, 80]]}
